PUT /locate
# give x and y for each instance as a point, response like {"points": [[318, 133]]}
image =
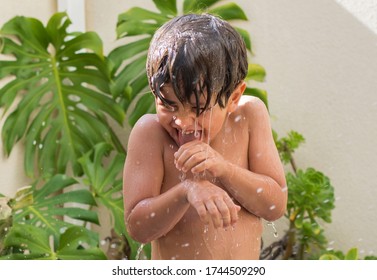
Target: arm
{"points": [[261, 189], [149, 214]]}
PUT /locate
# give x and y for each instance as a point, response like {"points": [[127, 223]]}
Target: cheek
{"points": [[212, 123]]}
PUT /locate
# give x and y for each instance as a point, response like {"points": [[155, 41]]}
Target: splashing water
{"points": [[274, 228], [196, 133], [139, 250], [208, 137]]}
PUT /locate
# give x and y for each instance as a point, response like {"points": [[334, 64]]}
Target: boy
{"points": [[202, 172]]}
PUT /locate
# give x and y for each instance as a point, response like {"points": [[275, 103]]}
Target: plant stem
{"points": [[291, 241]]}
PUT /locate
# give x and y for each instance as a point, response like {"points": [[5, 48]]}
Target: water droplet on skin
{"points": [[182, 176], [272, 207], [205, 229], [259, 190], [237, 119], [185, 245], [284, 189], [153, 214]]}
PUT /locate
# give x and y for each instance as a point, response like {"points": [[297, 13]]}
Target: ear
{"points": [[236, 96]]}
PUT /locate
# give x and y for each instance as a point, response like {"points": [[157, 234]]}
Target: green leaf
{"points": [[196, 6], [256, 72], [229, 11], [137, 21], [105, 180], [143, 106], [328, 257], [168, 7], [44, 209], [27, 242], [58, 76], [352, 254], [79, 243]]}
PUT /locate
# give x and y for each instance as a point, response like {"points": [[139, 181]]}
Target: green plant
{"points": [[60, 96], [310, 202]]}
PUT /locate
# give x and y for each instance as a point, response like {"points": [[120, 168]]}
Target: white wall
{"points": [[321, 63], [321, 77]]}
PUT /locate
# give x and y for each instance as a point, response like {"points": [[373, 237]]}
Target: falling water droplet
{"points": [[274, 228], [139, 250]]}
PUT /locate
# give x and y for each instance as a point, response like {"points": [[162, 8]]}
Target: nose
{"points": [[185, 120]]}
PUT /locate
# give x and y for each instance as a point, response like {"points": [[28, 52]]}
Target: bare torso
{"points": [[190, 238]]}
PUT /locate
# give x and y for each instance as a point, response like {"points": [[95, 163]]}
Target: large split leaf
{"points": [[57, 95], [27, 242], [43, 206], [105, 181]]}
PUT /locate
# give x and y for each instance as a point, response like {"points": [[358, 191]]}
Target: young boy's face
{"points": [[181, 122]]}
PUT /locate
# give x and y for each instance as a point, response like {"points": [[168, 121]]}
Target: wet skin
{"points": [[233, 177]]}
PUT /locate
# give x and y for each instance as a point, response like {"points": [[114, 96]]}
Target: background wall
{"points": [[320, 58]]}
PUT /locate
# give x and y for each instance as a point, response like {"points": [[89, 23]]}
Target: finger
{"points": [[224, 211], [206, 164], [233, 209], [186, 146], [182, 156], [195, 159], [202, 212], [215, 215]]}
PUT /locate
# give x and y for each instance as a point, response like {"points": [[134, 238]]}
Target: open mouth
{"points": [[188, 136]]}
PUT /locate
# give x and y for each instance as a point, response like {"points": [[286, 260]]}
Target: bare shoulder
{"points": [[147, 130], [252, 108]]}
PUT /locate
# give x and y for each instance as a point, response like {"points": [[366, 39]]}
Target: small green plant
{"points": [[310, 202]]}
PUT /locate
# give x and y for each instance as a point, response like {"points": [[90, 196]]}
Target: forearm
{"points": [[153, 217], [257, 193]]}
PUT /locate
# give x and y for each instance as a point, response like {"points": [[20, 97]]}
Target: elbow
{"points": [[138, 236], [272, 215], [276, 210], [137, 231]]}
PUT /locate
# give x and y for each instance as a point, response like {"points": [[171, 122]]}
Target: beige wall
{"points": [[321, 64]]}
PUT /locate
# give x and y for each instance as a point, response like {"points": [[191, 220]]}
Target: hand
{"points": [[198, 157], [211, 201]]}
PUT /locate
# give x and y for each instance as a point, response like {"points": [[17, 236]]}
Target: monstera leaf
{"points": [[105, 182], [57, 94], [27, 242], [127, 62], [43, 206]]}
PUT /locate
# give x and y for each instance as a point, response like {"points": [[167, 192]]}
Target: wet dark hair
{"points": [[197, 54]]}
